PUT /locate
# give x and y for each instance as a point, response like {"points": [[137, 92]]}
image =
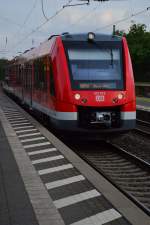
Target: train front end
{"points": [[98, 94]]}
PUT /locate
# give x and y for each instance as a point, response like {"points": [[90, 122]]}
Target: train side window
{"points": [[40, 75], [29, 76], [36, 74], [52, 84]]}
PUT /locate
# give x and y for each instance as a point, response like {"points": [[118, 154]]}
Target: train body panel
{"points": [[82, 85]]}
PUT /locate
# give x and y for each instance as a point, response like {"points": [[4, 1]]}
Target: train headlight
{"points": [[120, 96], [77, 96], [91, 36]]}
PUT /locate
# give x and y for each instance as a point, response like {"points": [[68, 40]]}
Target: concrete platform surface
{"points": [[143, 103], [15, 205]]}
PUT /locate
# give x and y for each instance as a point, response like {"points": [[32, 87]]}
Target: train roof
{"points": [[45, 47], [84, 37], [38, 52]]}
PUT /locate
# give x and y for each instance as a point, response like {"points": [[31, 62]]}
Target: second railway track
{"points": [[128, 173], [143, 128]]}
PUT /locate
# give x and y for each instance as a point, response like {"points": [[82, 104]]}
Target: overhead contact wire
{"points": [[84, 17], [26, 18], [42, 6], [123, 19], [42, 24]]}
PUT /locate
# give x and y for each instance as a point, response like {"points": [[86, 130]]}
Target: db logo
{"points": [[100, 98]]}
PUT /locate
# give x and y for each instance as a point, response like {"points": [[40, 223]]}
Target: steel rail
{"points": [[142, 122], [143, 128]]}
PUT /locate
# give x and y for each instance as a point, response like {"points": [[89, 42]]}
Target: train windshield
{"points": [[96, 68]]}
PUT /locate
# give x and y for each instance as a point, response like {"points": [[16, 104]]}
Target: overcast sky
{"points": [[20, 18]]}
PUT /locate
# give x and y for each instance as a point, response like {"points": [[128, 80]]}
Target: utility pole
{"points": [[114, 29]]}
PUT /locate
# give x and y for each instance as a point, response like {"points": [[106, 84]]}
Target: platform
{"points": [[143, 103], [15, 206], [49, 184]]}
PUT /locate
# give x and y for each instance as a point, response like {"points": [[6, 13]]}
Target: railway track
{"points": [[143, 128], [127, 172]]}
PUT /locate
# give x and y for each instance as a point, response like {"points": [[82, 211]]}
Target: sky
{"points": [[23, 25]]}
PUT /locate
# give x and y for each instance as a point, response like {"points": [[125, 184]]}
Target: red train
{"points": [[82, 82]]}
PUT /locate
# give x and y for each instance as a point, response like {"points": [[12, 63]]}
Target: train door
{"points": [[22, 81], [51, 77], [52, 87], [30, 83], [43, 80]]}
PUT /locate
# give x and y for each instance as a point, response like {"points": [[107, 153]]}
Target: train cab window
{"points": [[52, 84], [96, 67]]}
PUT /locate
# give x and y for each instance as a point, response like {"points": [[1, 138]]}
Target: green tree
{"points": [[138, 39]]}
